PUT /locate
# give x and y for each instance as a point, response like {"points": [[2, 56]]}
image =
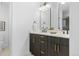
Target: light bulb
{"points": [[48, 6], [62, 2]]}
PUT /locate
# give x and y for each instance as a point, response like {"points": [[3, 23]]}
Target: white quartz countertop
{"points": [[55, 35]]}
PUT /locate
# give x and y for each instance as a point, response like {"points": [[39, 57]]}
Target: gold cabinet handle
{"points": [[58, 48], [42, 52], [42, 41], [41, 36], [55, 47]]}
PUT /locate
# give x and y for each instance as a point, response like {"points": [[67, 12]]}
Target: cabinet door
{"points": [[52, 46], [57, 43], [34, 44], [43, 52], [64, 50], [64, 47]]}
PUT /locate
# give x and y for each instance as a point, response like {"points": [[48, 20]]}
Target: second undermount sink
{"points": [[52, 31]]}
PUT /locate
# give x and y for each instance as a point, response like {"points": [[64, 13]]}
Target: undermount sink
{"points": [[53, 32]]}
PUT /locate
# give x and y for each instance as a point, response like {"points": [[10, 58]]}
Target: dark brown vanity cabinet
{"points": [[41, 45]]}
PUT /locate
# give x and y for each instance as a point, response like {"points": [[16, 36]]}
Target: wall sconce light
{"points": [[44, 7]]}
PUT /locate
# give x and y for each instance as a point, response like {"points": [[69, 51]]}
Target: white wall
{"points": [[23, 14], [4, 16], [74, 29]]}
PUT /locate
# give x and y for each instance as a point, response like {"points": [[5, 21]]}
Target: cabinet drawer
{"points": [[43, 38], [43, 52], [43, 42], [43, 47]]}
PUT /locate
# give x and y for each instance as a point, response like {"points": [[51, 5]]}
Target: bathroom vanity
{"points": [[46, 44], [55, 42]]}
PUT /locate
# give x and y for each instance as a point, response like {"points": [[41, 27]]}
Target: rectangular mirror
{"points": [[56, 16], [65, 16]]}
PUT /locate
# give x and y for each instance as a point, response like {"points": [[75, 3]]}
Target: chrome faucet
{"points": [[44, 28]]}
